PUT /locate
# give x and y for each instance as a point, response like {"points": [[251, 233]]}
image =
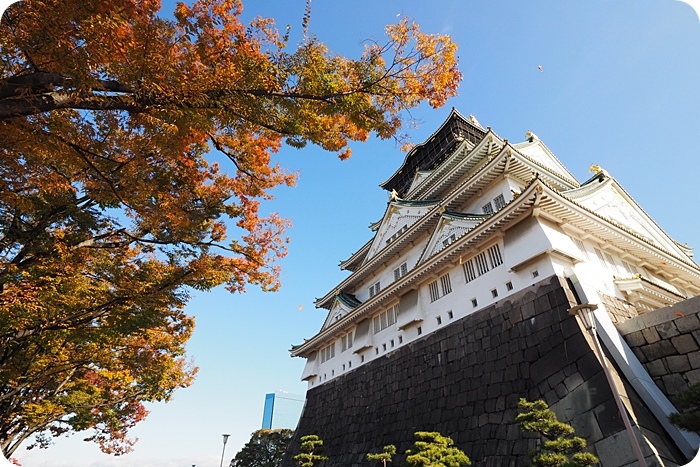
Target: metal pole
{"points": [[589, 324], [223, 450]]}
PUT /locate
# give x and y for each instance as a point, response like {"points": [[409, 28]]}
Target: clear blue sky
{"points": [[620, 87]]}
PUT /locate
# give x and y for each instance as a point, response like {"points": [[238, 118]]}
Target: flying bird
{"points": [[539, 67]]}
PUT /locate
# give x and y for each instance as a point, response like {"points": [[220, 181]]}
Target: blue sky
{"points": [[619, 87]]}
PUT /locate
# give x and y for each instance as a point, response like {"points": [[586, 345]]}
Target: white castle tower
{"points": [[458, 305]]}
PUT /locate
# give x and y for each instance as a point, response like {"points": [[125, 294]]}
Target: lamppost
{"points": [[224, 450], [585, 314]]}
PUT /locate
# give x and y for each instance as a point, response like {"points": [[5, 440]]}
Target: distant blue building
{"points": [[282, 410]]}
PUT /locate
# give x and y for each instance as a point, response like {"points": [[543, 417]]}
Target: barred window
{"points": [[487, 208], [374, 289], [445, 282], [469, 272], [495, 256], [437, 291], [481, 265], [599, 254], [581, 247], [610, 259], [499, 202], [449, 240], [434, 291], [631, 270]]}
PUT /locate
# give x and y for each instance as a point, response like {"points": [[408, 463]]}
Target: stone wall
{"points": [[465, 381], [667, 342]]}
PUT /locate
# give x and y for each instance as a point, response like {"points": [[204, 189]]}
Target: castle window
{"points": [[374, 289], [437, 291], [494, 293], [385, 319], [400, 271], [419, 330], [474, 302], [449, 240], [601, 259], [581, 247], [439, 320], [328, 352], [346, 342], [499, 202], [495, 256], [469, 272], [397, 234], [535, 273], [509, 285], [487, 208], [481, 265], [445, 282], [631, 270], [450, 314], [400, 339], [434, 291]]}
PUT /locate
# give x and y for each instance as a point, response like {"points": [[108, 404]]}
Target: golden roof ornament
{"points": [[596, 169], [393, 196], [531, 136]]}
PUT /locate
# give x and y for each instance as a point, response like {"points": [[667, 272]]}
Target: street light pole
{"points": [[224, 450], [585, 313]]}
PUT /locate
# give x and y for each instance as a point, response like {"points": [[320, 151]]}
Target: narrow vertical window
{"points": [[434, 291], [495, 256], [445, 282], [469, 272], [499, 202]]}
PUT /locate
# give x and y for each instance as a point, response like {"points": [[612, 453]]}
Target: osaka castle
{"points": [[473, 291]]}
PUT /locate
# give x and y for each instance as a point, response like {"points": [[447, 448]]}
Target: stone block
{"points": [[667, 330], [650, 335], [693, 376], [688, 323], [528, 310], [684, 343], [658, 350], [609, 418], [635, 339], [677, 363], [615, 450], [694, 359], [674, 384], [586, 426], [656, 368], [573, 381]]}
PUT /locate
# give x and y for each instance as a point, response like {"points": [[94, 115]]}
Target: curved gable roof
{"points": [[433, 151]]}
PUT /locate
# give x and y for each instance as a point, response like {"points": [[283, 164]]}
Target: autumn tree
{"points": [[111, 211], [387, 454], [560, 447], [266, 448], [431, 449], [310, 451]]}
